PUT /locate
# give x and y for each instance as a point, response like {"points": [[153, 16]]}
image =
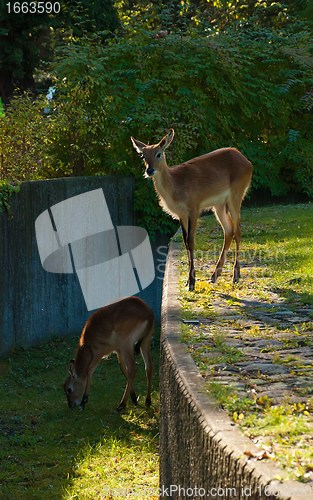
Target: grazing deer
{"points": [[114, 328], [216, 180]]}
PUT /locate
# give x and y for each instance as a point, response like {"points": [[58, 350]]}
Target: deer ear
{"points": [[138, 145], [71, 369], [167, 139]]}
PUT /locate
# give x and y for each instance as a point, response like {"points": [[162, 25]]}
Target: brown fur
{"points": [[216, 180], [113, 328]]}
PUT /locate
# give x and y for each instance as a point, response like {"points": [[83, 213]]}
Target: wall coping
{"points": [[213, 419]]}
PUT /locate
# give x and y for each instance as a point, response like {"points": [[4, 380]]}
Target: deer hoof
{"points": [[121, 407], [148, 401], [216, 275], [83, 402], [236, 276], [191, 283], [134, 398]]}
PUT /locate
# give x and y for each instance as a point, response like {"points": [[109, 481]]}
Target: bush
{"points": [[241, 88], [248, 88], [22, 139]]}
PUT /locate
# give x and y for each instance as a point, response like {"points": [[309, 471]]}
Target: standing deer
{"points": [[216, 180], [114, 328]]}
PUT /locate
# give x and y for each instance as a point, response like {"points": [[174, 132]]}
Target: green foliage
{"points": [[6, 191], [247, 87], [240, 88], [212, 15], [79, 17], [23, 138]]}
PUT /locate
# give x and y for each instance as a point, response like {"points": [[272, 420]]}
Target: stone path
{"points": [[262, 351], [274, 344]]}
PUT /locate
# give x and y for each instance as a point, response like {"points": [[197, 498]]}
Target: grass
{"points": [[276, 236], [47, 450], [212, 350], [277, 278], [283, 431]]}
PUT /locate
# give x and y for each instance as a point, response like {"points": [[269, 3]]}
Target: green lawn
{"points": [[277, 246], [277, 275], [49, 451], [277, 241]]}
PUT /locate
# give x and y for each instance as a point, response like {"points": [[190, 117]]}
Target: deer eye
{"points": [[69, 390], [158, 155]]}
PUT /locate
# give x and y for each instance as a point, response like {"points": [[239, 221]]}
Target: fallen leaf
{"points": [[260, 455]]}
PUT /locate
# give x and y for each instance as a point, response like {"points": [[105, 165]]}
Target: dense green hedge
{"points": [[251, 89]]}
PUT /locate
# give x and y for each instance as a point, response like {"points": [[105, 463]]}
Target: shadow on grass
{"points": [[272, 312], [292, 295], [43, 443]]}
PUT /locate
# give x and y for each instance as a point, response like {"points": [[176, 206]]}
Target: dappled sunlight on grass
{"points": [[47, 450], [273, 239], [120, 465], [280, 430]]}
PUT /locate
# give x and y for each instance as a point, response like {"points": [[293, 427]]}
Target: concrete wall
{"points": [[201, 452], [35, 304]]}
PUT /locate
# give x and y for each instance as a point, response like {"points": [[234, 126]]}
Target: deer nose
{"points": [[150, 171]]}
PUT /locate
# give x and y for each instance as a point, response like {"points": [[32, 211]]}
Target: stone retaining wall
{"points": [[202, 452], [36, 305]]}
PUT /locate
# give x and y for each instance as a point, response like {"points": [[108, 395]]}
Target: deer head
{"points": [[153, 155], [74, 388]]}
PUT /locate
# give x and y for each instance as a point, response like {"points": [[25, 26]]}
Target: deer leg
{"points": [[85, 397], [92, 366], [226, 222], [234, 207], [184, 231], [184, 227], [188, 226], [146, 355], [192, 224], [128, 368], [236, 273]]}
